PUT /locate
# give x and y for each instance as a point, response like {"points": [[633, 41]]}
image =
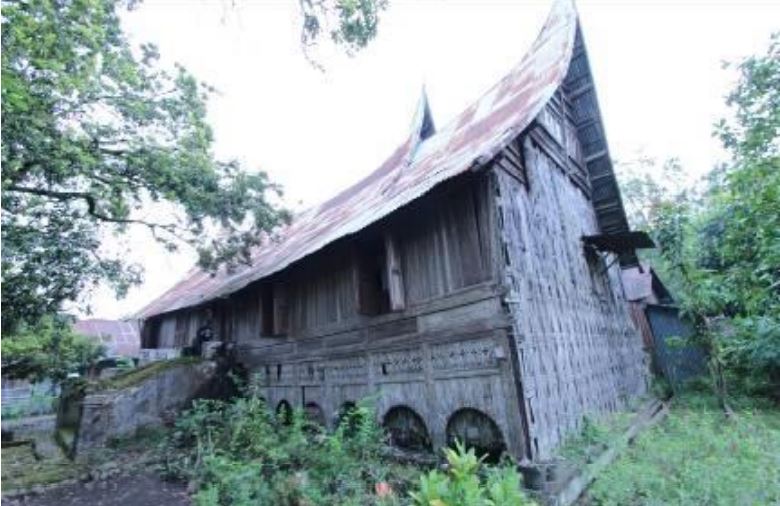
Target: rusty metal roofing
{"points": [[121, 338], [416, 166]]}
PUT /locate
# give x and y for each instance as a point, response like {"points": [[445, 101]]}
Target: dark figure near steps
{"points": [[205, 333]]}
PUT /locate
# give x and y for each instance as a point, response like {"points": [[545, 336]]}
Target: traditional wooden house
{"points": [[471, 283]]}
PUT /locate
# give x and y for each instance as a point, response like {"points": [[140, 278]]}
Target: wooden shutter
{"points": [[395, 280]]}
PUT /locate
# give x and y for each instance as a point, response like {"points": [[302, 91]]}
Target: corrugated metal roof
{"points": [[120, 337], [418, 165]]}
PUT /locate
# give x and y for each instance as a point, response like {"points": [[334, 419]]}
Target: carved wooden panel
{"points": [[280, 373], [402, 362], [347, 370], [471, 354]]}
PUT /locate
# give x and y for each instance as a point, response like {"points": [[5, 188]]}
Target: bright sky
{"points": [[657, 66]]}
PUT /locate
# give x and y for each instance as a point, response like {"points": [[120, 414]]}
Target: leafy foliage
{"points": [[719, 244], [697, 457], [349, 23], [92, 132], [462, 484], [49, 349], [239, 453]]}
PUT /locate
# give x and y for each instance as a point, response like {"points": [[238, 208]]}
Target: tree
{"points": [[94, 131], [50, 349], [349, 23], [745, 224], [719, 245]]}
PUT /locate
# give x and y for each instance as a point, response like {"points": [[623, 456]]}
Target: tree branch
{"points": [[92, 206]]}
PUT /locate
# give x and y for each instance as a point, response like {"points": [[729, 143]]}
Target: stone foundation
{"points": [[120, 407]]}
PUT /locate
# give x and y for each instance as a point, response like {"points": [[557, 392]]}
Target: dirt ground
{"points": [[145, 489]]}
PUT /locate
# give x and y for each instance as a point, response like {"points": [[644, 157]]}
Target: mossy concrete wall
{"points": [[120, 408]]}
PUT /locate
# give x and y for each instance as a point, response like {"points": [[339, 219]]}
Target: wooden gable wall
{"points": [[578, 352], [439, 245], [445, 242]]}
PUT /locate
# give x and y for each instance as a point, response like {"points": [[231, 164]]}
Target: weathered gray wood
{"points": [[280, 309], [478, 295], [467, 295], [578, 352], [167, 331]]}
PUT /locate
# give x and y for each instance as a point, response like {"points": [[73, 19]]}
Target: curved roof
{"points": [[420, 163]]}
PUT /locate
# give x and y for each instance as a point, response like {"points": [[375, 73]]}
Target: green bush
{"points": [[239, 453], [50, 349], [462, 484]]}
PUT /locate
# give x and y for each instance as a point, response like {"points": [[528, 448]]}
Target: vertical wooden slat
{"points": [[366, 300], [280, 318]]}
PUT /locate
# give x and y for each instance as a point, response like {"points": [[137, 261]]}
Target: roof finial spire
{"points": [[422, 124]]}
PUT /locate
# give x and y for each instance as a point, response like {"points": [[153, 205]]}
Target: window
{"points": [[379, 279], [372, 295], [274, 310]]}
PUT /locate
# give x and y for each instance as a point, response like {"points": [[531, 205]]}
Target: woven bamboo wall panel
{"points": [[579, 353]]}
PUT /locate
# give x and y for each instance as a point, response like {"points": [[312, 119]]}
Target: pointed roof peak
{"points": [[422, 128], [422, 122], [426, 159]]}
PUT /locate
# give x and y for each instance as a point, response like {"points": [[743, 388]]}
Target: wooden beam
{"points": [[596, 156]]}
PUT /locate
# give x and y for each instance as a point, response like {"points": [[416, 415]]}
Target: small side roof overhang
{"points": [[619, 242]]}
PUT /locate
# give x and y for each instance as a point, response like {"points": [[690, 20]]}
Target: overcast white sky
{"points": [[657, 67]]}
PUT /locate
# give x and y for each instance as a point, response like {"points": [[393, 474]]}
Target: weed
{"points": [[462, 484], [593, 438], [698, 456], [239, 453]]}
